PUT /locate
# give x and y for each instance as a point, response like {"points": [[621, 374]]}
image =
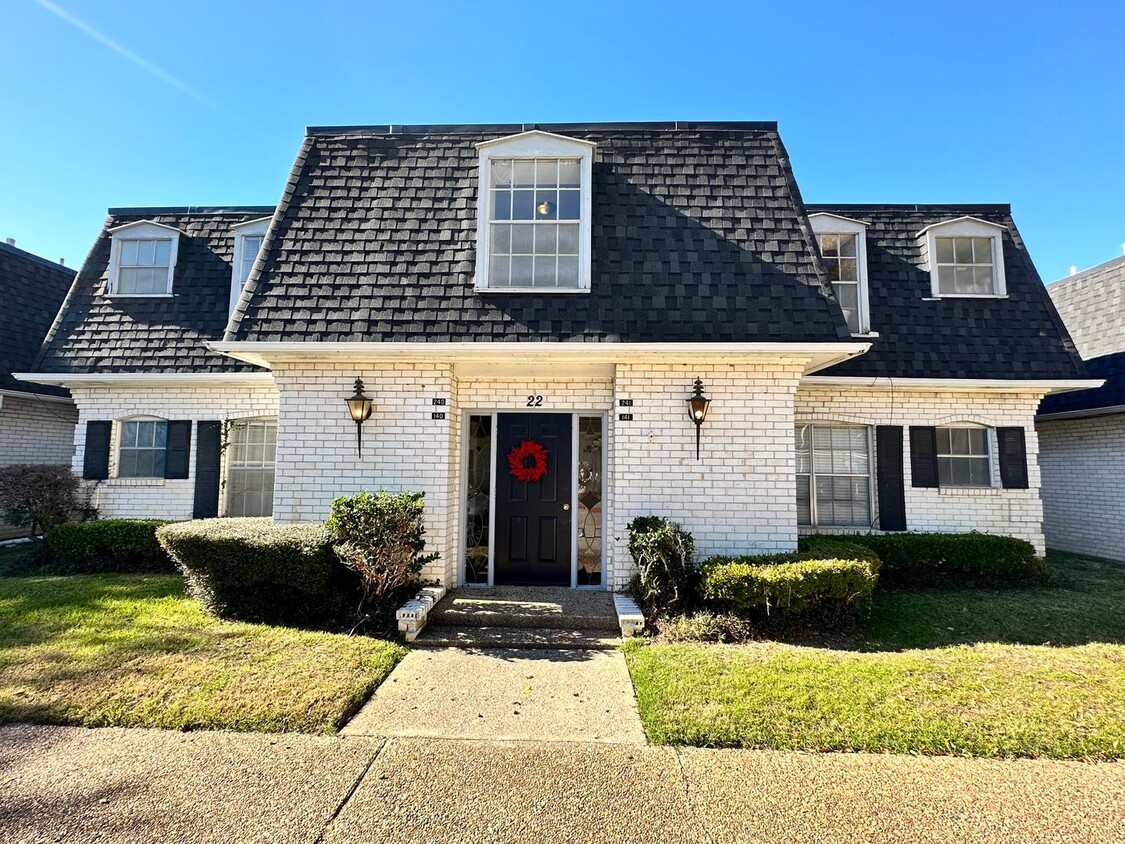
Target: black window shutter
{"points": [[208, 453], [889, 480], [1013, 457], [177, 456], [923, 456], [95, 461]]}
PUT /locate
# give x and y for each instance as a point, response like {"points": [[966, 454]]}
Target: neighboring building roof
{"points": [[1016, 337], [698, 236], [32, 289], [98, 333], [1092, 304], [1110, 395]]}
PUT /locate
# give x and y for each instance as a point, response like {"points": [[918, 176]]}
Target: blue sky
{"points": [[116, 102]]}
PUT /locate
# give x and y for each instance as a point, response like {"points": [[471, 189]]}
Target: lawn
{"points": [[1036, 672], [134, 651]]}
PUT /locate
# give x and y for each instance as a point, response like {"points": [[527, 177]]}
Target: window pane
{"points": [[569, 204], [829, 245], [498, 271], [589, 501], [804, 506], [524, 174], [840, 473], [803, 434], [521, 271], [501, 205], [848, 294], [977, 440], [128, 252], [501, 241], [569, 174], [160, 434], [945, 277], [978, 471], [944, 250], [848, 245], [982, 250], [546, 173], [501, 172], [546, 205], [848, 269], [568, 239], [477, 489], [523, 240], [963, 250], [568, 271], [982, 280], [523, 205], [545, 272], [145, 252], [833, 266], [546, 240], [959, 439]]}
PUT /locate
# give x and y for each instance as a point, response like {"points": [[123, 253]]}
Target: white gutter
{"points": [[1062, 385], [142, 378], [18, 394], [263, 353], [1082, 414]]}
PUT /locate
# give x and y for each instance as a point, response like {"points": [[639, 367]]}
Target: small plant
{"points": [[664, 556], [37, 497], [382, 537], [705, 626]]}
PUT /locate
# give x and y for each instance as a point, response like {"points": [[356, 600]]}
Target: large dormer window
{"points": [[843, 245], [534, 214], [248, 239], [965, 258], [142, 259]]}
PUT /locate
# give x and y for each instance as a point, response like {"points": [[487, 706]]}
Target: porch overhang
{"points": [[142, 379], [812, 357]]}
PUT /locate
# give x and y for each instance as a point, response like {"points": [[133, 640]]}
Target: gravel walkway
{"points": [[61, 784]]}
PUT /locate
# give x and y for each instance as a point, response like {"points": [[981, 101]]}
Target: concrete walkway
{"points": [[60, 784], [505, 694]]}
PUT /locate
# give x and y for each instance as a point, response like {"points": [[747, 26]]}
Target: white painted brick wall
{"points": [[157, 498], [36, 431], [1013, 512], [1083, 466]]}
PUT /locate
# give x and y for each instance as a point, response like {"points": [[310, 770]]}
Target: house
{"points": [[36, 421], [522, 317], [1082, 435]]}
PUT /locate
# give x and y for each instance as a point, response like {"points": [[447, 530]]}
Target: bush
{"points": [[663, 553], [381, 537], [250, 569], [37, 497], [788, 588], [107, 545], [705, 626], [947, 559]]}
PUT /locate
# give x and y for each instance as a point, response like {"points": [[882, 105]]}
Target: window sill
{"points": [[969, 490], [140, 295], [965, 296], [568, 290], [136, 482], [866, 335]]}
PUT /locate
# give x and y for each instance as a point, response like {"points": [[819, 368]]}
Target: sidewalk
{"points": [[61, 784]]}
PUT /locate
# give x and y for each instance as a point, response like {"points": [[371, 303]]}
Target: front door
{"points": [[533, 517]]}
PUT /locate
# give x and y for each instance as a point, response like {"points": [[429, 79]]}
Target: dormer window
{"points": [[843, 245], [142, 259], [248, 239], [965, 258], [534, 214]]}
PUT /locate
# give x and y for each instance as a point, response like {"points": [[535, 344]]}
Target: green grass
{"points": [[17, 560], [1036, 672], [134, 651]]}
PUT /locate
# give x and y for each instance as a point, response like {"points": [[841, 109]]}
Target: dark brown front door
{"points": [[533, 518]]}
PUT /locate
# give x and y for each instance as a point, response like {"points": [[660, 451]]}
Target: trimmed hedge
{"points": [[953, 559], [822, 592], [250, 569], [107, 545]]}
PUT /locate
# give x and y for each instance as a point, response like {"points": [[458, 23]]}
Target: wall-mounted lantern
{"points": [[697, 410], [359, 406]]}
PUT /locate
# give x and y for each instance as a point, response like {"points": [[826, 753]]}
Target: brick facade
{"points": [[1083, 470], [34, 430]]}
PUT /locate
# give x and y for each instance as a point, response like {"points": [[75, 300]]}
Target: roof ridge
{"points": [[39, 259], [995, 207], [1105, 266], [192, 209], [513, 128]]}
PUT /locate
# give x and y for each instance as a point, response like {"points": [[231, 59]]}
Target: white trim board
{"points": [[139, 378], [19, 394], [954, 384]]}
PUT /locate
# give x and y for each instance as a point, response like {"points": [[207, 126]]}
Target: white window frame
{"points": [[531, 145], [812, 475], [251, 228], [825, 223], [231, 467], [120, 440], [141, 230], [964, 227], [991, 454]]}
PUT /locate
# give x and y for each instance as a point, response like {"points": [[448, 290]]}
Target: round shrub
{"points": [[250, 569], [664, 556], [107, 545]]}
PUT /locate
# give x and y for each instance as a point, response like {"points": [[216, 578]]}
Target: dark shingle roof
{"points": [[698, 235], [32, 289], [1111, 394], [99, 333], [1092, 304], [1017, 337]]}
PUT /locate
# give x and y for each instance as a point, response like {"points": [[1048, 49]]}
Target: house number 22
{"points": [[534, 401]]}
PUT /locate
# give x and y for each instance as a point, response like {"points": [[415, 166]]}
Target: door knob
{"points": [[566, 506]]}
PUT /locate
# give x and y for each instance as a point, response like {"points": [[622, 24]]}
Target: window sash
{"points": [[143, 266], [840, 251], [251, 460], [966, 266], [963, 456], [250, 246], [834, 476], [142, 449]]}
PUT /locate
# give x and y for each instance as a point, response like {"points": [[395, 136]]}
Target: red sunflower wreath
{"points": [[518, 465]]}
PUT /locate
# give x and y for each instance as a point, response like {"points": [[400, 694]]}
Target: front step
{"points": [[532, 607], [521, 638]]}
